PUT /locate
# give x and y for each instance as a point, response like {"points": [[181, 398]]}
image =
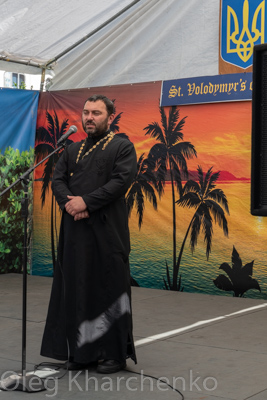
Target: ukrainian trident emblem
{"points": [[242, 26]]}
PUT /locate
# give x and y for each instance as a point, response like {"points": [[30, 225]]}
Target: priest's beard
{"points": [[99, 128]]}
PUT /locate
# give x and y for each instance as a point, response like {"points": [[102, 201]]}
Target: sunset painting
{"points": [[194, 186]]}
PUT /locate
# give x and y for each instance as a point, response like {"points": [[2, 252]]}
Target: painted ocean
{"points": [[152, 244]]}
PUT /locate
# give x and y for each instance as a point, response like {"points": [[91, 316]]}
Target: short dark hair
{"points": [[109, 103]]}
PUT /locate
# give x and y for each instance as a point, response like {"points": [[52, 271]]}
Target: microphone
{"points": [[64, 137]]}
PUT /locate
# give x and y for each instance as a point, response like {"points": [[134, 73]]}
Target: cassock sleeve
{"points": [[60, 180], [124, 170]]}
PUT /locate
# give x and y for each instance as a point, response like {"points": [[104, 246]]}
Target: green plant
{"points": [[21, 86], [12, 165]]}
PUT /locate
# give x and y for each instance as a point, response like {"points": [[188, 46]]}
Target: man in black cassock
{"points": [[89, 316]]}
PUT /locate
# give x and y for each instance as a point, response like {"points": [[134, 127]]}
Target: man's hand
{"points": [[81, 215], [75, 205]]}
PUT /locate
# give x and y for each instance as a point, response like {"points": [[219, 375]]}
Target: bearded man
{"points": [[89, 317]]}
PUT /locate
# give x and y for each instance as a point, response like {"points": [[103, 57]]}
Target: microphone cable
{"points": [[159, 380]]}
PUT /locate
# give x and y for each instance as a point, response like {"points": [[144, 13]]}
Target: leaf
{"points": [[226, 268], [246, 285], [248, 269], [223, 283], [236, 260]]}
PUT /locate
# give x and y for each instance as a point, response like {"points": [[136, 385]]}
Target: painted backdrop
{"points": [[196, 234]]}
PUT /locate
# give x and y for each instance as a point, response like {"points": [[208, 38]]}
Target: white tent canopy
{"points": [[91, 43]]}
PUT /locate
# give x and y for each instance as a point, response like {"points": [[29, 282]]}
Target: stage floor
{"points": [[207, 347]]}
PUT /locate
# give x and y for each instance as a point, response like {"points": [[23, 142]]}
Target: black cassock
{"points": [[89, 316]]}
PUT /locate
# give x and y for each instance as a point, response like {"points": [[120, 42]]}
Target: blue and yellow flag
{"points": [[243, 25]]}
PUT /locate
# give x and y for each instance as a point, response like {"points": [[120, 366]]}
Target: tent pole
{"points": [[42, 79]]}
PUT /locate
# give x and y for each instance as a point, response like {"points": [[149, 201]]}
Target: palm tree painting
{"points": [[210, 204], [143, 187], [46, 142], [144, 183], [114, 126], [239, 278], [170, 154]]}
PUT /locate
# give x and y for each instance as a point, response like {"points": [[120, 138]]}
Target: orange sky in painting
{"points": [[220, 132]]}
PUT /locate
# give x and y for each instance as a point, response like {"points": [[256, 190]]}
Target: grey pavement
{"points": [[207, 347]]}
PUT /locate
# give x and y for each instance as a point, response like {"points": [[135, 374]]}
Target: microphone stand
{"points": [[22, 381]]}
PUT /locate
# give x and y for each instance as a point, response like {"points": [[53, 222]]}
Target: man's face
{"points": [[95, 118]]}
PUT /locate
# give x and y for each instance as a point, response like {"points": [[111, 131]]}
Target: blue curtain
{"points": [[18, 114]]}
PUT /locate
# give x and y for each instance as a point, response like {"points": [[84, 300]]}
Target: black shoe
{"points": [[110, 366], [73, 366]]}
